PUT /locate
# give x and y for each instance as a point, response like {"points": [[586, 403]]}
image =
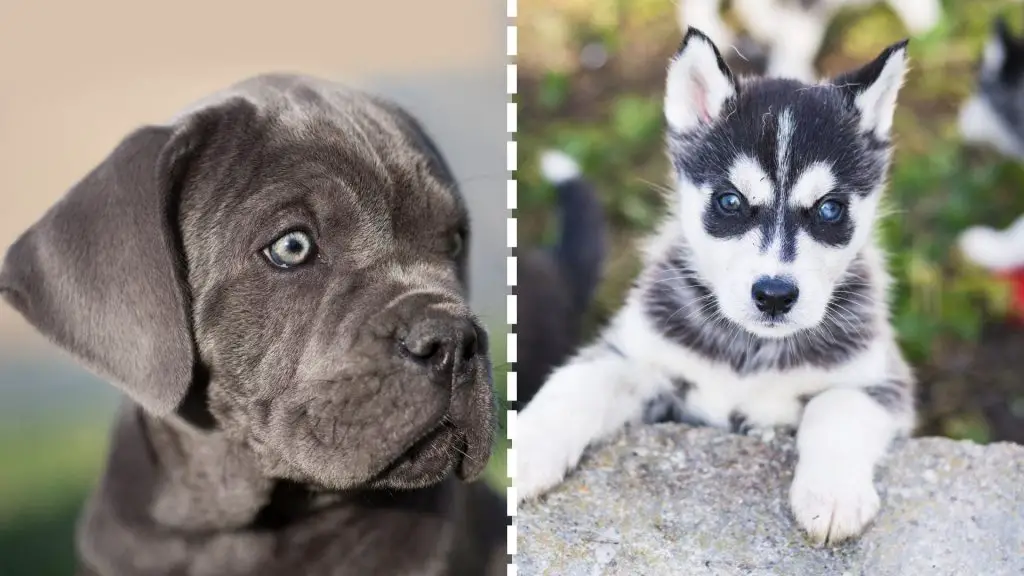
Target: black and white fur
{"points": [[993, 116], [690, 343], [793, 30]]}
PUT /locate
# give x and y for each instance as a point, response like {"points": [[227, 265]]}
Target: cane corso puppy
{"points": [[276, 279]]}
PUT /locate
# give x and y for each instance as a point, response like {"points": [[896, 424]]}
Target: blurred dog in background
{"points": [[556, 284], [787, 34], [993, 116]]}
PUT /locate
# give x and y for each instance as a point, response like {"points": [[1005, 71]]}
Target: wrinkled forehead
{"points": [[777, 136], [287, 135]]}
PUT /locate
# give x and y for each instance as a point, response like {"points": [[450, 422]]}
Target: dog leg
{"points": [[594, 395], [843, 435]]}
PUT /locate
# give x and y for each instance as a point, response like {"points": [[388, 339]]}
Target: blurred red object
{"points": [[1016, 279]]}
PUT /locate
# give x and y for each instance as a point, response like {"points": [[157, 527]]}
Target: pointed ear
{"points": [[699, 84], [100, 274], [873, 89]]}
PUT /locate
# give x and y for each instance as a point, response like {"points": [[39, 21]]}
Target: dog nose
{"points": [[441, 343], [774, 296]]}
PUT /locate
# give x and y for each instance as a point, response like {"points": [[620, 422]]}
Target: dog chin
{"points": [[429, 461], [771, 329]]}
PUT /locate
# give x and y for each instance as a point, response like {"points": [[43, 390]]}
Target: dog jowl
{"points": [[277, 279], [762, 299]]}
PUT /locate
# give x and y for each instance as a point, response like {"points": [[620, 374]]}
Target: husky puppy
{"points": [[556, 284], [762, 302], [793, 30]]}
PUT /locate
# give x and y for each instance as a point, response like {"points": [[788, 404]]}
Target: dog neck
{"points": [[178, 497]]}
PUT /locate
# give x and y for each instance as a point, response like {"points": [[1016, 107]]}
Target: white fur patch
{"points": [[813, 183], [704, 16], [994, 55], [784, 135], [995, 250], [557, 167], [919, 16], [979, 124], [749, 178], [877, 103], [696, 89]]}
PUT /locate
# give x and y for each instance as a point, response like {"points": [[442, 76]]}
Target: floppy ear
{"points": [[699, 84], [873, 89], [99, 274]]}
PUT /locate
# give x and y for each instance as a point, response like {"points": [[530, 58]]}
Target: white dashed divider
{"points": [[511, 111]]}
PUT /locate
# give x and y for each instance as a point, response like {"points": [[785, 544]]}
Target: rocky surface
{"points": [[670, 500]]}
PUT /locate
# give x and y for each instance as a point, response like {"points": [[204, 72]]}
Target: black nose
{"points": [[774, 296], [442, 344]]}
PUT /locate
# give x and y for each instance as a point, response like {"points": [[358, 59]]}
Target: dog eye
{"points": [[830, 211], [290, 250], [729, 202]]}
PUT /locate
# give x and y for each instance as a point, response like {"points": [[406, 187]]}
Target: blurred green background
{"points": [[950, 316], [53, 442]]}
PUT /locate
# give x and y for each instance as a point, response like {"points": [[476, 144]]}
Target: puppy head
{"points": [[777, 182], [994, 114], [293, 254]]}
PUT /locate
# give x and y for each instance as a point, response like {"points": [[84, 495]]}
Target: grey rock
{"points": [[672, 500]]}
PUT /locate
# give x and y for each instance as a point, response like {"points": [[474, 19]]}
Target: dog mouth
{"points": [[766, 326], [428, 461]]}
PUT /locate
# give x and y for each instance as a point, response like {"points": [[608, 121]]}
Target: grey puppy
{"points": [[276, 280]]}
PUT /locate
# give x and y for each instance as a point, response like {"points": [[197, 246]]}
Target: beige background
{"points": [[77, 76]]}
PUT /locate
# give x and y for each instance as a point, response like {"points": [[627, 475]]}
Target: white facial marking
{"points": [[749, 177], [696, 89], [813, 183], [783, 136]]}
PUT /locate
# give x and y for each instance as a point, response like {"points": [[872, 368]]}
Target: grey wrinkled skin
{"points": [[320, 419]]}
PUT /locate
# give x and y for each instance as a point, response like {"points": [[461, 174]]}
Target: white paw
{"points": [[543, 456], [832, 506]]}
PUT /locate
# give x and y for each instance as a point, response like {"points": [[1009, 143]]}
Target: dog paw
{"points": [[832, 507], [542, 460]]}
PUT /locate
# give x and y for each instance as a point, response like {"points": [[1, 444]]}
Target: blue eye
{"points": [[290, 250], [730, 202], [830, 211]]}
